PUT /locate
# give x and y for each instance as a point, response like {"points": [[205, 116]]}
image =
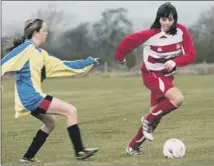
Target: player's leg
{"points": [[59, 107], [154, 103], [139, 139], [40, 137], [157, 122], [174, 98]]}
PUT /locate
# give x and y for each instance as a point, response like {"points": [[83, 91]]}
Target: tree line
{"points": [[100, 38]]}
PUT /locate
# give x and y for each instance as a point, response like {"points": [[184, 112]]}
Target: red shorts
{"points": [[158, 84]]}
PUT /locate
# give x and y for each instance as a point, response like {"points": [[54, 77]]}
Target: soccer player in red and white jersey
{"points": [[167, 45]]}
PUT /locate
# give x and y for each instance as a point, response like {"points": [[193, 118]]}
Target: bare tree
{"points": [[108, 31], [57, 20], [203, 34], [77, 39]]}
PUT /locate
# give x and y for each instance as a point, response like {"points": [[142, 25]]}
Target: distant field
{"points": [[109, 115]]}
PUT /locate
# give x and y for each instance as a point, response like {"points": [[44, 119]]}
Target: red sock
{"points": [[137, 137], [162, 109]]}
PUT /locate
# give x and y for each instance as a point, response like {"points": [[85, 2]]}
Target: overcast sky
{"points": [[15, 13]]}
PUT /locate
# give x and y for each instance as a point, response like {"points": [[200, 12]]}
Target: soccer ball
{"points": [[174, 148]]}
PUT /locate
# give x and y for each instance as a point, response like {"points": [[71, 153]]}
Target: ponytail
{"points": [[15, 42]]}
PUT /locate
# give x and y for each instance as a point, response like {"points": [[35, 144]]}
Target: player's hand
{"points": [[123, 62], [97, 61], [169, 65]]}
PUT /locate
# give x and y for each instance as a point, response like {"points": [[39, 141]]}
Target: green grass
{"points": [[109, 112]]}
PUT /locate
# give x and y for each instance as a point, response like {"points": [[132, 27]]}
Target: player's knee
{"points": [[72, 111], [179, 100], [51, 123]]}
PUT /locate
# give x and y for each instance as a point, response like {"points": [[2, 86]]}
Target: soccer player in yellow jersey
{"points": [[31, 65]]}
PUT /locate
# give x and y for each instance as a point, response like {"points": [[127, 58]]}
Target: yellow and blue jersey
{"points": [[31, 65]]}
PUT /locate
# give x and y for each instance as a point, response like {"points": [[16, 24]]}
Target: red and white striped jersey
{"points": [[159, 47]]}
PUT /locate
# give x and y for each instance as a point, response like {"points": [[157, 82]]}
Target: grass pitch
{"points": [[109, 110]]}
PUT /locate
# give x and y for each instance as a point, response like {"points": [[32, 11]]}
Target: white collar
{"points": [[164, 33]]}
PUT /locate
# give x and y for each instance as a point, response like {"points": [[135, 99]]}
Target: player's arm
{"points": [[189, 55], [55, 67], [130, 42], [16, 59]]}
